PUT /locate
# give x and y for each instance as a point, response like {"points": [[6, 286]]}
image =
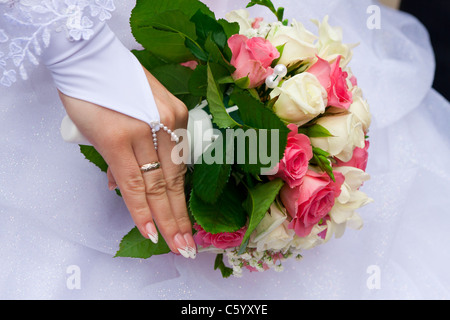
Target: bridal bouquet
{"points": [[281, 168]]}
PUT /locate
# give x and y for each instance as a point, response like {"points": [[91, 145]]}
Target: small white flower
{"points": [[279, 268]]}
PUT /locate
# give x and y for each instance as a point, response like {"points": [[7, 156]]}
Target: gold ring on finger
{"points": [[150, 166]]}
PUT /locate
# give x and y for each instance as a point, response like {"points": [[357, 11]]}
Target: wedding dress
{"points": [[59, 221]]}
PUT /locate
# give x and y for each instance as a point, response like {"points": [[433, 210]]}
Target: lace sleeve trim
{"points": [[36, 20]]}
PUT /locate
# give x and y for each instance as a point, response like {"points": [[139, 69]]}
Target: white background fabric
{"points": [[56, 210]]}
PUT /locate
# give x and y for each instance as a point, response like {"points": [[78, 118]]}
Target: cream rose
{"points": [[347, 134], [300, 99], [360, 109], [312, 240], [299, 42], [272, 232], [330, 44], [343, 214], [242, 17]]}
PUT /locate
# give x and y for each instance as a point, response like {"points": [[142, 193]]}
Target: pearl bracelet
{"points": [[156, 126]]}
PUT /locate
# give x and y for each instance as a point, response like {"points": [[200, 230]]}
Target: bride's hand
{"points": [[126, 144]]}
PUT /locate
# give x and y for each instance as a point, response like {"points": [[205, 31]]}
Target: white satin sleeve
{"points": [[86, 59]]}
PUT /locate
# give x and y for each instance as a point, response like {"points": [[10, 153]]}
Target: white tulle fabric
{"points": [[56, 211]]}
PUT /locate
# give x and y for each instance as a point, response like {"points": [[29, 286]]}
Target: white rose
{"points": [[343, 214], [311, 241], [349, 77], [272, 232], [299, 42], [280, 238], [330, 44], [347, 134], [360, 109], [242, 17], [300, 99]]}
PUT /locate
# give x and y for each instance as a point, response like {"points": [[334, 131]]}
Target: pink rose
{"points": [[253, 58], [292, 168], [190, 64], [257, 23], [222, 240], [310, 202], [334, 80], [359, 159], [353, 81]]}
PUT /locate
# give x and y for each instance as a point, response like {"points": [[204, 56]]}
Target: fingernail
{"points": [[152, 232], [112, 186], [191, 248], [192, 252], [182, 246], [184, 253]]}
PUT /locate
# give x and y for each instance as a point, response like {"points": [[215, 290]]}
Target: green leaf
{"points": [[315, 131], [146, 8], [320, 152], [230, 28], [190, 100], [243, 83], [174, 77], [211, 178], [219, 264], [265, 3], [93, 156], [215, 100], [174, 21], [280, 14], [280, 49], [216, 56], [209, 27], [162, 27], [226, 215], [258, 202], [134, 245], [321, 158], [196, 50], [198, 82], [254, 113], [148, 59], [164, 40], [270, 130]]}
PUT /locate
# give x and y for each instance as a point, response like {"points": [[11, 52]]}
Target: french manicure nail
{"points": [[153, 237], [190, 248], [184, 253], [152, 232], [182, 246], [192, 252]]}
